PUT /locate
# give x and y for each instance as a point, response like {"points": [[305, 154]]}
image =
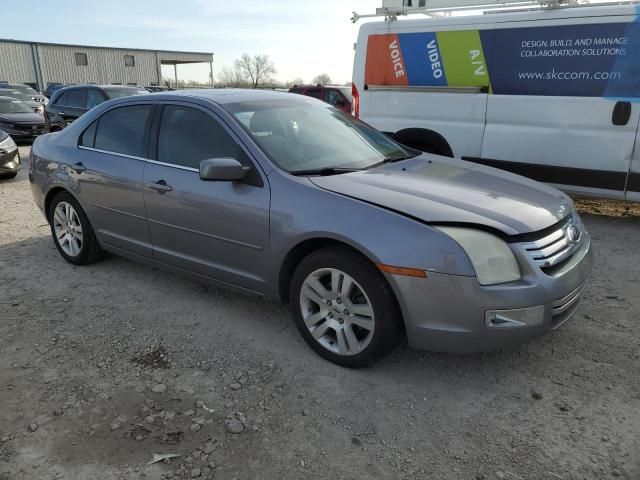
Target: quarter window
{"points": [[94, 98], [81, 59], [89, 135], [124, 130], [187, 136], [129, 61]]}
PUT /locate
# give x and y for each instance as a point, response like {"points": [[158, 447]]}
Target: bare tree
{"points": [[231, 77], [256, 69], [322, 79], [297, 81]]}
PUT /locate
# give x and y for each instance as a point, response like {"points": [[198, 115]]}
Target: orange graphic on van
{"points": [[385, 62]]}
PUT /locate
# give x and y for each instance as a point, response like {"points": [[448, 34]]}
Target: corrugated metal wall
{"points": [[104, 65], [16, 63]]}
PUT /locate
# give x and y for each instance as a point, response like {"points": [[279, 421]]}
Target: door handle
{"points": [[621, 113], [61, 114], [160, 186], [79, 167]]}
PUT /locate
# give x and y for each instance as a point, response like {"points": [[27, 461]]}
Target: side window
{"points": [[314, 92], [76, 98], [89, 135], [94, 98], [124, 130], [334, 98], [187, 136], [62, 99]]}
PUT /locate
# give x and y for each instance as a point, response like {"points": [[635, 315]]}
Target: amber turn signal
{"points": [[405, 272]]}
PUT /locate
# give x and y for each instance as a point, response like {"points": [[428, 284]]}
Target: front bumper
{"points": [[448, 313], [25, 131]]}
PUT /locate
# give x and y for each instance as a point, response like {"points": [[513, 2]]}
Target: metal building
{"points": [[38, 64]]}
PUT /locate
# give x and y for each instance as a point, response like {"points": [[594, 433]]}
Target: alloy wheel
{"points": [[68, 229], [337, 311]]}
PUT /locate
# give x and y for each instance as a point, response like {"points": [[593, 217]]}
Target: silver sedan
{"points": [[283, 196]]}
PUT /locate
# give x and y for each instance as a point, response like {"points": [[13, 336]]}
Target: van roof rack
{"points": [[392, 9]]}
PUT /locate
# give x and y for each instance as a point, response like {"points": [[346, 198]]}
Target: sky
{"points": [[303, 38]]}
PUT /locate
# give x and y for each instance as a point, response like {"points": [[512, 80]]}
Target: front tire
{"points": [[72, 233], [344, 308]]}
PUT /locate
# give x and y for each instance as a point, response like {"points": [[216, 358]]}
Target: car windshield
{"points": [[124, 92], [305, 136], [25, 89], [13, 106], [15, 94]]}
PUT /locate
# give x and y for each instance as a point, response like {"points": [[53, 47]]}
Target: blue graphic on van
{"points": [[423, 59]]}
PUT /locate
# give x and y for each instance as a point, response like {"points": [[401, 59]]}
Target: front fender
{"points": [[381, 235]]}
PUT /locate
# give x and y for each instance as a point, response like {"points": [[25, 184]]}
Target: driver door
{"points": [[217, 229]]}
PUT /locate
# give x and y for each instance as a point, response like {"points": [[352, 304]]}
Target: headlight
{"points": [[490, 256], [7, 143]]}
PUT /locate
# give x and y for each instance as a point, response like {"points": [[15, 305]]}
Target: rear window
{"points": [[124, 130], [124, 92]]}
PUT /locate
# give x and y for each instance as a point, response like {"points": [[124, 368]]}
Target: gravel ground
{"points": [[104, 366]]}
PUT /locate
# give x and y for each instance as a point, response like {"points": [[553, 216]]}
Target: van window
{"points": [[124, 130]]}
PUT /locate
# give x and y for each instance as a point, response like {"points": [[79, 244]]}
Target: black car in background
{"points": [[69, 103], [9, 157], [19, 120], [338, 96]]}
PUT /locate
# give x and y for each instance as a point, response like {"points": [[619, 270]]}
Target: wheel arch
{"points": [[51, 194], [302, 250], [425, 140]]}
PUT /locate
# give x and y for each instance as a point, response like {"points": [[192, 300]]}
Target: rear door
{"points": [[562, 106], [216, 229], [114, 149], [74, 105]]}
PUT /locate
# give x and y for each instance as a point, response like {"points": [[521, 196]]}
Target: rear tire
{"points": [[344, 308], [72, 232]]}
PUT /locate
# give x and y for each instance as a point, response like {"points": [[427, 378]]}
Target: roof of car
{"points": [[225, 95]]}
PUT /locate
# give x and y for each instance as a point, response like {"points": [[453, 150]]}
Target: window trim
{"points": [[147, 130], [86, 59]]}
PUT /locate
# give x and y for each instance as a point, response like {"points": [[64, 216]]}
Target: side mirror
{"points": [[222, 169]]}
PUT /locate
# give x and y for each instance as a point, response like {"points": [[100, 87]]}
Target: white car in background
{"points": [[550, 94]]}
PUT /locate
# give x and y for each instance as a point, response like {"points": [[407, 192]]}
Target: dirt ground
{"points": [[103, 366]]}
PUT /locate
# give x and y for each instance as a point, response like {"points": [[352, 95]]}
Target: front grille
{"points": [[29, 129], [565, 307], [558, 246]]}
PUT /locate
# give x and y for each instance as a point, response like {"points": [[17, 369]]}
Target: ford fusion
{"points": [[283, 196]]}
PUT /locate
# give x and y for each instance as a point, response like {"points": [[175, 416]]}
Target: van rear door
{"points": [[562, 106]]}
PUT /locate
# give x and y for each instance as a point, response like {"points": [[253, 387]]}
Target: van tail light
{"points": [[355, 105]]}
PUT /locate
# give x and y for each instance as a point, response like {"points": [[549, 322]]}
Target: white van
{"points": [[551, 94]]}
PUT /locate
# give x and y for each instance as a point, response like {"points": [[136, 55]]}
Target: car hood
{"points": [[22, 117], [435, 189]]}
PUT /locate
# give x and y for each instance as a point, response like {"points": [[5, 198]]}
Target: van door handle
{"points": [[160, 186], [621, 113], [79, 167]]}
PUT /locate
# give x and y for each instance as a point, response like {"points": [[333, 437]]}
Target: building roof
{"points": [[11, 40]]}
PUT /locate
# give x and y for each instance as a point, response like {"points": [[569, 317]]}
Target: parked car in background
{"points": [[157, 88], [26, 90], [10, 163], [69, 103], [18, 120], [52, 87], [339, 97], [36, 107], [549, 93], [283, 196]]}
